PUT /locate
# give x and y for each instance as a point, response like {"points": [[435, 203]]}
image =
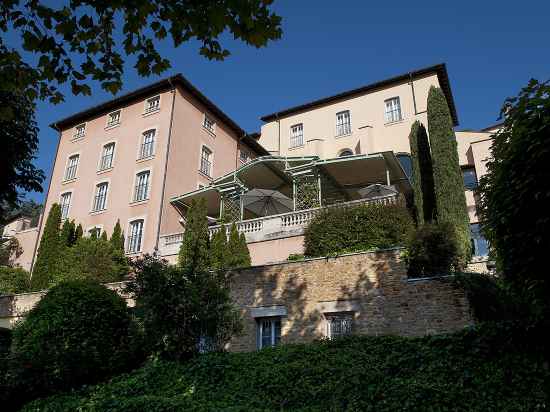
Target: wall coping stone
{"points": [[267, 311]]}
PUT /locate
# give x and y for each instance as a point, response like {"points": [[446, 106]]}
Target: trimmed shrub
{"points": [[483, 369], [79, 332], [338, 230], [449, 186], [14, 280], [433, 250], [93, 259]]}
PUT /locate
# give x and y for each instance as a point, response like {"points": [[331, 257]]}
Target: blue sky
{"points": [[491, 48]]}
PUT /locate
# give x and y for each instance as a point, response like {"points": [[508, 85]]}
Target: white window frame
{"points": [[147, 108], [142, 143], [110, 124], [332, 318], [210, 160], [78, 135], [209, 124], [148, 188], [343, 123], [101, 155], [67, 165], [296, 137], [94, 195], [129, 234], [62, 204], [393, 113], [274, 339]]}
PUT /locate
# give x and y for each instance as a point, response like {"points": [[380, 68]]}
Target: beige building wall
{"points": [[27, 240], [369, 131]]}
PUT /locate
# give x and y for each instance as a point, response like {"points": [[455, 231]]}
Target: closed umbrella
{"points": [[265, 202]]}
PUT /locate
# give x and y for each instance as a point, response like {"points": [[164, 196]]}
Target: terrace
{"points": [[276, 197]]}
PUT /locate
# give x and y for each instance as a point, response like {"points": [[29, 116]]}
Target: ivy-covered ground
{"points": [[486, 369]]}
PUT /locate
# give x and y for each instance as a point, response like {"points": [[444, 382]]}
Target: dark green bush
{"points": [[14, 280], [433, 250], [485, 369], [350, 229], [80, 332]]}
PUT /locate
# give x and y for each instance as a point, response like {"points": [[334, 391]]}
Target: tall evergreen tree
{"points": [[244, 252], [78, 233], [448, 183], [67, 235], [193, 253], [422, 174], [104, 236], [218, 250], [117, 238], [49, 250]]}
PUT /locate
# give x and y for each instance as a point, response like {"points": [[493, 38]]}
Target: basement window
{"points": [[339, 325], [268, 332]]}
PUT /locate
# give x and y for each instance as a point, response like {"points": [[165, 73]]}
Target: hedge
{"points": [[338, 230], [475, 370]]}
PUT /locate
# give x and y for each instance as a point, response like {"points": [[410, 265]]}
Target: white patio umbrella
{"points": [[265, 202], [376, 190]]}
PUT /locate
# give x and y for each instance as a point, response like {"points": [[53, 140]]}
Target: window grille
{"points": [[297, 135], [343, 123]]}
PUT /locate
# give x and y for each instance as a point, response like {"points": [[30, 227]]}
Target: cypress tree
{"points": [[104, 236], [244, 252], [218, 250], [233, 248], [78, 233], [448, 183], [49, 251], [193, 253], [422, 174], [117, 238], [67, 234]]}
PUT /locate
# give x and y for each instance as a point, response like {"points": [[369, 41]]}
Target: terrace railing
{"points": [[270, 227]]}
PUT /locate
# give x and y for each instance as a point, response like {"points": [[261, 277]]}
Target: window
{"points": [[141, 191], [152, 104], [297, 135], [338, 325], [107, 156], [343, 123], [79, 131], [113, 118], [94, 232], [469, 177], [206, 162], [72, 165], [209, 124], [406, 164], [135, 235], [147, 144], [269, 332], [244, 156], [345, 152], [393, 110], [100, 198], [65, 204], [480, 246]]}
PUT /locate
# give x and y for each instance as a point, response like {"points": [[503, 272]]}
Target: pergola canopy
{"points": [[340, 179]]}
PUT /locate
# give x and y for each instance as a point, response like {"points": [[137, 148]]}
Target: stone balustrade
{"points": [[270, 227]]}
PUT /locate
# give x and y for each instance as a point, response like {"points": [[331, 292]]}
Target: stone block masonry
{"points": [[372, 288]]}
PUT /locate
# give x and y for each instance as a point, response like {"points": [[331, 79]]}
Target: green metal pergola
{"points": [[309, 181]]}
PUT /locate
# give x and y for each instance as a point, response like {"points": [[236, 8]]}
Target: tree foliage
{"points": [[75, 42], [10, 249], [79, 332], [92, 259], [515, 195], [219, 255], [193, 253], [422, 170], [14, 280], [184, 311], [19, 136], [449, 188], [117, 238], [49, 251], [237, 249]]}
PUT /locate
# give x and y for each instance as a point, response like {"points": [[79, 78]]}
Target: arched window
{"points": [[346, 152], [406, 163]]}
